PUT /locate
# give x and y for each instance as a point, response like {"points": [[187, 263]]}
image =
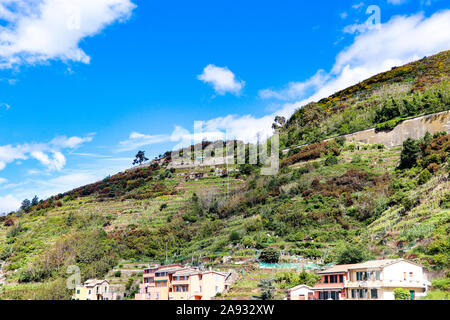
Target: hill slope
{"points": [[331, 201]]}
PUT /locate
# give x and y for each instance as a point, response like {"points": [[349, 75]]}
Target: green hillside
{"points": [[331, 202], [382, 101]]}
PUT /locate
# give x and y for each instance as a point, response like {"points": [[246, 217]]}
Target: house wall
{"points": [[401, 271], [82, 295], [301, 294], [398, 275], [212, 283]]}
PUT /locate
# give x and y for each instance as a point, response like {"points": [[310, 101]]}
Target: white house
{"points": [[301, 292], [377, 279]]}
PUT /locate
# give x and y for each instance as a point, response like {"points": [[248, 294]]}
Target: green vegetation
{"points": [[332, 202], [401, 294], [380, 102]]}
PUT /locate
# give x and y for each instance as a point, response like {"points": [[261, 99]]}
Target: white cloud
{"points": [[9, 203], [343, 15], [74, 180], [71, 143], [222, 80], [56, 163], [295, 90], [41, 30], [3, 180], [48, 154]]}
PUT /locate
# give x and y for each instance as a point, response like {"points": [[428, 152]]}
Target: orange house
{"points": [[332, 283], [176, 282]]}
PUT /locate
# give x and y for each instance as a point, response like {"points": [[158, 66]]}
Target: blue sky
{"points": [[84, 84]]}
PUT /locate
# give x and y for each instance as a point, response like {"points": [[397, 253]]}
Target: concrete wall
{"points": [[413, 128]]}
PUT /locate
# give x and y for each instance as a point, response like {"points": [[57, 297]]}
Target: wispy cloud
{"points": [[397, 2], [137, 140], [4, 106]]}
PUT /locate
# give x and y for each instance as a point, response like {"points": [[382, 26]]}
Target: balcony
{"points": [[180, 282], [387, 284]]}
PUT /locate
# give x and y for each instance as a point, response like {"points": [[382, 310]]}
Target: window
{"points": [[361, 276], [378, 275], [326, 279], [354, 294], [217, 289], [78, 291], [106, 289], [362, 293], [341, 278], [374, 293]]}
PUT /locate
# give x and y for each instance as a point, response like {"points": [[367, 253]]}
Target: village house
{"points": [[371, 280], [377, 279], [301, 292], [331, 285], [176, 282], [94, 289]]}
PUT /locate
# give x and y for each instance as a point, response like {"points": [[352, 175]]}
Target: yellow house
{"points": [[94, 289]]}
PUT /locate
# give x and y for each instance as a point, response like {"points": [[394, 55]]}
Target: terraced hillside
{"points": [[332, 201]]}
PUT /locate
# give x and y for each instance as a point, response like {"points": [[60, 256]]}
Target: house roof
{"points": [[300, 287], [372, 264], [340, 268], [378, 263], [94, 282], [191, 272]]}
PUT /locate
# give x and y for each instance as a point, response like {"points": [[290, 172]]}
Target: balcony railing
{"points": [[386, 283]]}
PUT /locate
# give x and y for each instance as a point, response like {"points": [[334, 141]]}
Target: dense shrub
{"points": [[311, 152], [269, 255], [410, 154], [293, 278], [424, 177], [331, 161], [402, 294], [351, 254]]}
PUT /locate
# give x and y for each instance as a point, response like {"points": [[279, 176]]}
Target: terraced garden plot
{"points": [[247, 285]]}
